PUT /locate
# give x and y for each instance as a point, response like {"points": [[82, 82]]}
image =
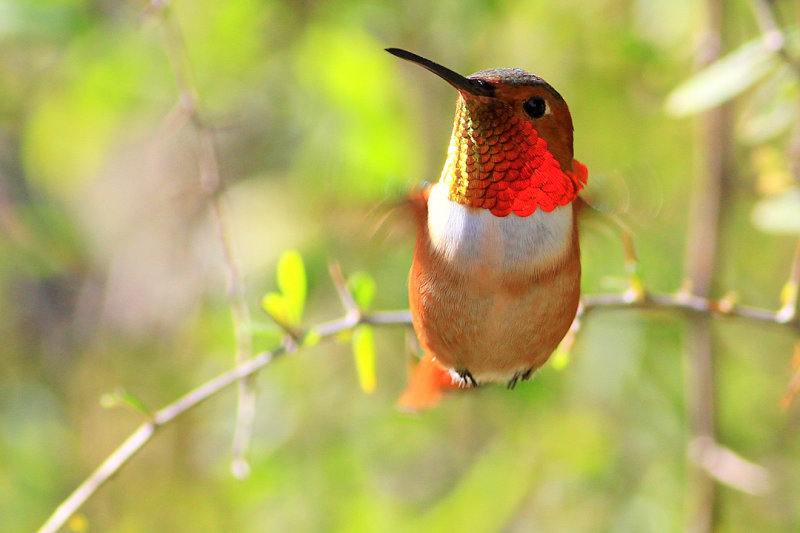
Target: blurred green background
{"points": [[110, 272]]}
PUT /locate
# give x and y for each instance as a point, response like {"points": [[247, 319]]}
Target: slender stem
{"points": [[345, 296], [685, 302], [211, 183], [764, 11], [701, 257], [107, 468], [145, 432], [591, 304]]}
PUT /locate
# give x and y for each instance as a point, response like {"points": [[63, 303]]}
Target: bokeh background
{"points": [[111, 272]]}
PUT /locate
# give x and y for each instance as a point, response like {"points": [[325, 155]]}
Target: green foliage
{"points": [[779, 213], [270, 333], [292, 283], [108, 266], [771, 110], [364, 356], [362, 286], [286, 306], [122, 397], [724, 79], [104, 81]]}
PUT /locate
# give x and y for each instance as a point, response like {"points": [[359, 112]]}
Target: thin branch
{"points": [[702, 249], [210, 180], [247, 366], [764, 11], [686, 302], [729, 468], [145, 432], [108, 468], [346, 297], [651, 302]]}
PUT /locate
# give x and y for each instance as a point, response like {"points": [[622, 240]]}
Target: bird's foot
{"points": [[519, 376], [465, 378]]}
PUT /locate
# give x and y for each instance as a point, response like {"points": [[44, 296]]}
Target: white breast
{"points": [[469, 237]]}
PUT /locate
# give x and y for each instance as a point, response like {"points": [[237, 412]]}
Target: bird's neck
{"points": [[498, 162]]}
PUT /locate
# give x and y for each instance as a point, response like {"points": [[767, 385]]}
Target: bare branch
{"points": [[211, 182], [108, 468], [774, 37], [727, 467], [683, 301], [142, 436], [714, 142], [349, 303], [651, 301]]}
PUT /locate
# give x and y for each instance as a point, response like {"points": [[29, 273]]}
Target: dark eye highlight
{"points": [[535, 107]]}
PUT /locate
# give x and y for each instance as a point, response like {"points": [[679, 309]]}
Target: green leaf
{"points": [[723, 79], [771, 110], [364, 353], [789, 294], [292, 283], [779, 213], [771, 167], [311, 339], [122, 397], [362, 287], [275, 306], [109, 400], [260, 328], [270, 333]]}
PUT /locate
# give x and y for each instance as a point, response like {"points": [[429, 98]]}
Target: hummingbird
{"points": [[495, 279]]}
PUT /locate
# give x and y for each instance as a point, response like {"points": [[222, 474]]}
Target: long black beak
{"points": [[474, 87]]}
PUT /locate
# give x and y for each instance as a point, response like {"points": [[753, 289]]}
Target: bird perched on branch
{"points": [[495, 279]]}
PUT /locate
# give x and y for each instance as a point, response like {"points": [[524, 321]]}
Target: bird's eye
{"points": [[535, 107]]}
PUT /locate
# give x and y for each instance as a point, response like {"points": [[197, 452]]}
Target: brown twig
{"points": [[701, 255], [142, 436], [345, 296], [727, 467], [685, 302], [651, 302], [774, 38], [210, 181]]}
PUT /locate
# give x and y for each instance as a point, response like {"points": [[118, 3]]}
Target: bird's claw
{"points": [[466, 377], [519, 376]]}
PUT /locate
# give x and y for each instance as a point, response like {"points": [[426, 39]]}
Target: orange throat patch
{"points": [[498, 161]]}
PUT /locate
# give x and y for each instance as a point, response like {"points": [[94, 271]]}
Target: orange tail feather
{"points": [[428, 381]]}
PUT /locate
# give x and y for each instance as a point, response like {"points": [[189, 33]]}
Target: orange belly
{"points": [[490, 323], [493, 328]]}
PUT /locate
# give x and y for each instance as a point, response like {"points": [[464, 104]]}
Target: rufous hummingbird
{"points": [[495, 280]]}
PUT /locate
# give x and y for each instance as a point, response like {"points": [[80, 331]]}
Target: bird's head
{"points": [[511, 147]]}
